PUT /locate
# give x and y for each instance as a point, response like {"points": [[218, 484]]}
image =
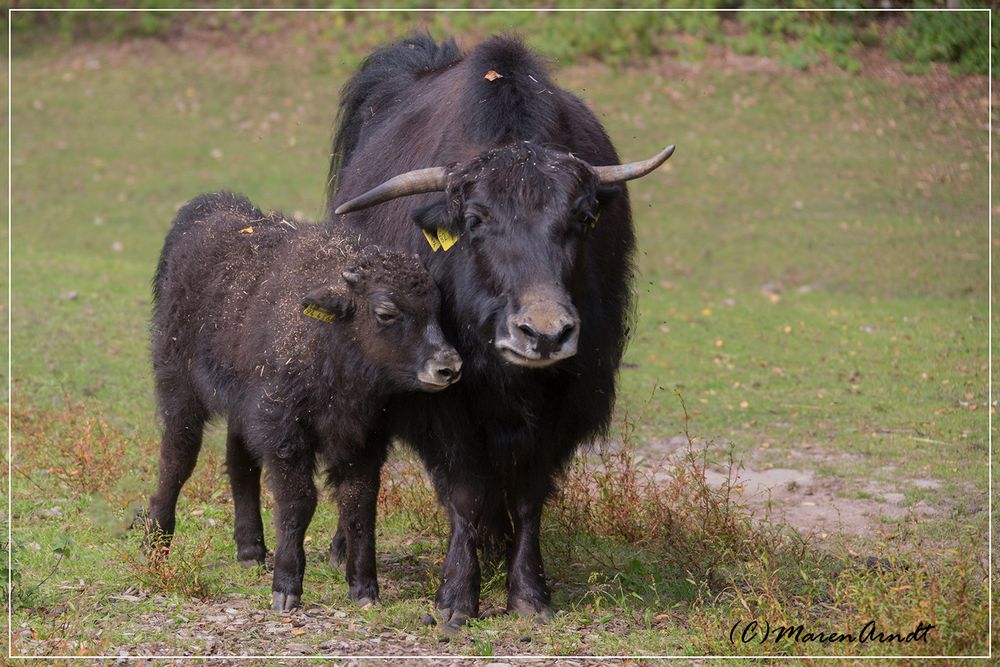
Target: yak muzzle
{"points": [[543, 331], [441, 370]]}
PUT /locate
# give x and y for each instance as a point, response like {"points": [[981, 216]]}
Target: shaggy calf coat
{"points": [[298, 338]]}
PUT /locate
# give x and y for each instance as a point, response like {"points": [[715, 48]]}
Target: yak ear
{"points": [[326, 304], [607, 192], [435, 216]]}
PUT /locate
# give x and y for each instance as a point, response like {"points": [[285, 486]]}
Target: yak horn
{"points": [[432, 179], [616, 173]]}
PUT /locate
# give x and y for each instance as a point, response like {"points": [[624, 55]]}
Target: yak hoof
{"points": [[428, 620], [365, 602], [249, 563], [285, 601], [451, 621], [539, 611]]}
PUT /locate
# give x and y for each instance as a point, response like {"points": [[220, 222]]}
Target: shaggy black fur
{"points": [[536, 232], [229, 337]]}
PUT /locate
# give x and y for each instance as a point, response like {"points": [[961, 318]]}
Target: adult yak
{"points": [[485, 149]]}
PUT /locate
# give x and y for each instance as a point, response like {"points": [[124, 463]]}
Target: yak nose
{"points": [[548, 338], [441, 370]]}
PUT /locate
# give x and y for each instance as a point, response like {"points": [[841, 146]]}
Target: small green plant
{"points": [[25, 595]]}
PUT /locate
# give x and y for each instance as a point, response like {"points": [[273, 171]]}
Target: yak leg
{"points": [[295, 502], [338, 546], [357, 498], [528, 594], [458, 597], [183, 422], [495, 531], [244, 480]]}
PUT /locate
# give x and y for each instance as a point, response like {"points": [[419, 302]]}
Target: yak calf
{"points": [[298, 338]]}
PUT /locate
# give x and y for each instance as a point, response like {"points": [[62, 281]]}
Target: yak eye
{"points": [[472, 221], [385, 315]]}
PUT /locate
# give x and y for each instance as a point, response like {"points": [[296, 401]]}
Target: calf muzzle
{"points": [[441, 370]]}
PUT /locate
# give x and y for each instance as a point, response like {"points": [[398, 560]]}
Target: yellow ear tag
{"points": [[446, 239], [432, 240], [318, 313], [594, 223]]}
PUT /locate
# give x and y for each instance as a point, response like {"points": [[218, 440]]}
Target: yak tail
{"points": [[380, 77]]}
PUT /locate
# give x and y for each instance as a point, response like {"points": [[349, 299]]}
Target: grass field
{"points": [[812, 286]]}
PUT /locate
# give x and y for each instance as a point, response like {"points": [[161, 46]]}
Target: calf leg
{"points": [[295, 502], [528, 593], [244, 480], [183, 422], [357, 497], [458, 597]]}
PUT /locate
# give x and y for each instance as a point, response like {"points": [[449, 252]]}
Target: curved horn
{"points": [[432, 179], [616, 173]]}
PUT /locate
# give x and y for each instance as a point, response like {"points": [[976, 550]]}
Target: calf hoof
{"points": [[363, 594], [539, 611], [252, 555], [285, 601]]}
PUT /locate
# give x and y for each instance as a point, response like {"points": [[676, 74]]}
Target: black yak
{"points": [[298, 338], [511, 190]]}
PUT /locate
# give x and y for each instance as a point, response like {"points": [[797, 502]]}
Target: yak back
{"points": [[418, 104]]}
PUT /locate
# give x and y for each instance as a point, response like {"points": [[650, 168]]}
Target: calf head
{"points": [[392, 307], [525, 212]]}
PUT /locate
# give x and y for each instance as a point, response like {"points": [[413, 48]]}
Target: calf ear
{"points": [[323, 303]]}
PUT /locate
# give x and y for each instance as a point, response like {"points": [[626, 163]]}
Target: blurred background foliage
{"points": [[805, 38]]}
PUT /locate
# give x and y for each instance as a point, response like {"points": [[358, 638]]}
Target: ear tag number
{"points": [[432, 240], [318, 313], [441, 239], [446, 239]]}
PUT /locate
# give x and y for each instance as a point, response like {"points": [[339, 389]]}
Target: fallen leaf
{"points": [[246, 230]]}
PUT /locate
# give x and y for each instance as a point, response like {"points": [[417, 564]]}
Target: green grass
{"points": [[811, 277]]}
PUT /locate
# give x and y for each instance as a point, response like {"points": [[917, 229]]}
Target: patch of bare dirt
{"points": [[810, 503]]}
